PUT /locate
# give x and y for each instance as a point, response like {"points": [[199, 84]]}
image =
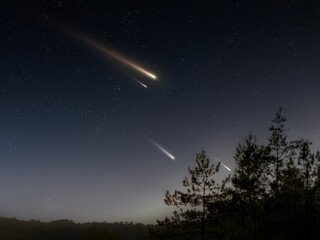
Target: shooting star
{"points": [[143, 85], [109, 52], [225, 166], [162, 149]]}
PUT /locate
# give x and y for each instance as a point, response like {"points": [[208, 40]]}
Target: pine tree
{"points": [[280, 153], [308, 175], [201, 190], [248, 181]]}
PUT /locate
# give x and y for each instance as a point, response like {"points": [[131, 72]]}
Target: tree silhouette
{"points": [[307, 164], [249, 180], [201, 189], [281, 155], [274, 193]]}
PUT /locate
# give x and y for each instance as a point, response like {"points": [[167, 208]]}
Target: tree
{"points": [[201, 190], [248, 181], [274, 192], [280, 153], [307, 164]]}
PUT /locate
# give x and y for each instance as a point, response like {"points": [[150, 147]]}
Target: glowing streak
{"points": [[107, 51], [142, 84], [225, 167], [162, 149], [165, 151]]}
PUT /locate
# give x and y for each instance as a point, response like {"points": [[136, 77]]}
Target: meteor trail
{"points": [[142, 84], [162, 149], [111, 53], [225, 166]]}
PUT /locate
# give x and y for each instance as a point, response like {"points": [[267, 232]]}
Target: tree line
{"points": [[273, 193], [13, 229]]}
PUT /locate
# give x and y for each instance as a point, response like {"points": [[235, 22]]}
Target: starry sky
{"points": [[82, 139]]}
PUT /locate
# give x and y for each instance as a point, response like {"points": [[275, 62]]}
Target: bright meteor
{"points": [[143, 85], [111, 53], [225, 167], [162, 149]]}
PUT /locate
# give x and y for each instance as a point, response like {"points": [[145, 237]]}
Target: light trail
{"points": [[142, 84], [162, 149], [225, 166], [111, 53], [92, 43], [216, 159]]}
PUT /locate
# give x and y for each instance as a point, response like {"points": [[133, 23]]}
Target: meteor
{"points": [[111, 53], [162, 149], [142, 84], [225, 166]]}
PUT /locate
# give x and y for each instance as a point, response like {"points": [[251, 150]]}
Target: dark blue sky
{"points": [[75, 125]]}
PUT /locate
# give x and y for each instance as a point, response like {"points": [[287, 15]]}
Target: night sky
{"points": [[81, 138]]}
